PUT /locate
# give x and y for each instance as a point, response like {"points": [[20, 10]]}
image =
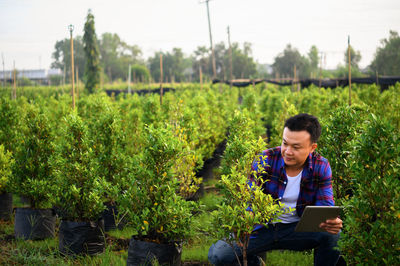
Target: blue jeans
{"points": [[279, 236]]}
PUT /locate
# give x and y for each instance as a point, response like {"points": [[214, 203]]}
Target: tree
{"points": [[285, 62], [243, 65], [174, 65], [62, 56], [354, 60], [387, 57], [116, 55], [92, 66], [314, 60]]}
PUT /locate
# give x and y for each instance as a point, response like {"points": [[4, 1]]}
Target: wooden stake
{"points": [[230, 59], [77, 82], [201, 78], [161, 79], [14, 92], [71, 28], [129, 79], [349, 56]]}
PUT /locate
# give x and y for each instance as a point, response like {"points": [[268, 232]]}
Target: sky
{"points": [[29, 29]]}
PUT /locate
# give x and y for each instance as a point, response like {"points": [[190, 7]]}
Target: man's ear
{"points": [[313, 147]]}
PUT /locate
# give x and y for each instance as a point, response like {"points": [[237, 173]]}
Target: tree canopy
{"points": [[387, 57], [92, 55]]}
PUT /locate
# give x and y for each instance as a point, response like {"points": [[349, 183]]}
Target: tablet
{"points": [[313, 216]]}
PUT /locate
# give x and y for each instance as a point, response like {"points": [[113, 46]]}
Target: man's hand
{"points": [[332, 226]]}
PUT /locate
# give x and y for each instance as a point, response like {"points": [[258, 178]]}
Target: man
{"points": [[297, 176]]}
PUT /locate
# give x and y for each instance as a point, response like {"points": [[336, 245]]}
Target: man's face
{"points": [[295, 148]]}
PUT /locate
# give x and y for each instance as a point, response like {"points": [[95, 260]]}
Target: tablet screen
{"points": [[313, 216]]}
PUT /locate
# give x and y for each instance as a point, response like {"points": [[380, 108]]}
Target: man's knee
{"points": [[221, 253]]}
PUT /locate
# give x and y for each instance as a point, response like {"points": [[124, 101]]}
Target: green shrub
{"points": [[154, 208], [339, 133], [233, 220], [372, 219], [5, 169], [80, 192], [32, 174]]}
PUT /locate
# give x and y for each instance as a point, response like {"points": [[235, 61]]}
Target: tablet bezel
{"points": [[313, 216]]}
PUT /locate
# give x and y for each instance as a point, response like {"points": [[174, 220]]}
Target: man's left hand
{"points": [[332, 226]]}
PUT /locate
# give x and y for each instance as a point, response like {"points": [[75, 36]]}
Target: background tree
{"points": [[343, 71], [387, 57], [116, 55], [201, 58], [140, 73], [62, 56], [313, 56], [174, 65], [284, 63], [355, 58], [92, 66]]}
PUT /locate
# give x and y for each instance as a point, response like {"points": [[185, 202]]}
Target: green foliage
{"points": [[387, 57], [9, 123], [6, 163], [284, 63], [371, 223], [92, 55], [339, 132], [279, 120], [116, 55], [32, 173], [62, 57], [233, 220], [80, 190], [154, 208], [107, 141], [140, 73]]}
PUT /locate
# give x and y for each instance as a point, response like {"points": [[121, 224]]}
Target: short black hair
{"points": [[305, 122]]}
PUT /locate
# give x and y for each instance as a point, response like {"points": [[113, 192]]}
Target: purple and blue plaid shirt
{"points": [[315, 184]]}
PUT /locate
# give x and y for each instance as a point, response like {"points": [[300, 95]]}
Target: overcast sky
{"points": [[29, 29]]}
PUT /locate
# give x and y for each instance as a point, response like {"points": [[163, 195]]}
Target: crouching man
{"points": [[297, 176]]}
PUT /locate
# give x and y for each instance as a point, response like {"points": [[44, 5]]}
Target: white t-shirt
{"points": [[290, 197]]}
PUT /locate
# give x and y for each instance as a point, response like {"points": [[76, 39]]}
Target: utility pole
{"points": [[71, 28], [349, 57], [211, 42], [230, 58]]}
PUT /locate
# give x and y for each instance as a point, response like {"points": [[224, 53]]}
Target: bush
{"points": [[339, 132], [80, 190], [372, 219], [154, 208], [32, 174], [5, 169]]}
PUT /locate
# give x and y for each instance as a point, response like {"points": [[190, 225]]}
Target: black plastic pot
{"points": [[146, 253], [109, 215], [81, 238], [34, 224], [6, 206]]}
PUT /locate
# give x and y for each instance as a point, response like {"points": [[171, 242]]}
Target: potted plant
{"points": [[80, 190], [9, 123], [32, 178], [245, 204], [109, 147], [161, 217], [5, 171]]}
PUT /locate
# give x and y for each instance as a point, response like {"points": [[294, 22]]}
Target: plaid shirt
{"points": [[315, 184]]}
